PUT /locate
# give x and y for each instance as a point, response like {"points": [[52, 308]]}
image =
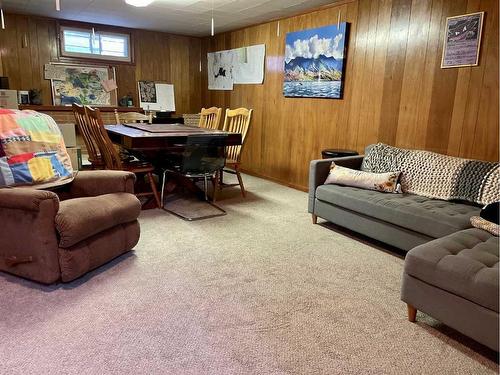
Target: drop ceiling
{"points": [[187, 17]]}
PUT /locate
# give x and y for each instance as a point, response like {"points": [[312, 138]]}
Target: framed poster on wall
{"points": [[315, 62], [83, 84], [156, 96], [462, 40]]}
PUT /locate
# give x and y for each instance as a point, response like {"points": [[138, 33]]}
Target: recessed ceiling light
{"points": [[139, 3]]}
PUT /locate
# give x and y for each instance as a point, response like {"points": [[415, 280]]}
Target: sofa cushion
{"points": [[81, 218], [432, 217], [464, 263]]}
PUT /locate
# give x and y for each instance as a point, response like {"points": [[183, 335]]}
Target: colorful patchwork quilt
{"points": [[32, 150]]}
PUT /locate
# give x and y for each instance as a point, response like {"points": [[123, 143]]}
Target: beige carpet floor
{"points": [[259, 291]]}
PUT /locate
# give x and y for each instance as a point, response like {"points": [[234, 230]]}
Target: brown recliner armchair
{"points": [[49, 236]]}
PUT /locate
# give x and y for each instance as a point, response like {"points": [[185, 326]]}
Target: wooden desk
{"points": [[160, 137]]}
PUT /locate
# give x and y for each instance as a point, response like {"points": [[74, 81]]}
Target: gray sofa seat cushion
{"points": [[432, 217], [464, 263]]}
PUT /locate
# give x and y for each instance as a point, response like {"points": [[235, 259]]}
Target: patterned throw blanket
{"points": [[437, 176], [32, 150]]}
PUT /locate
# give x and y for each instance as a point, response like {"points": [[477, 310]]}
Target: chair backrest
{"points": [[191, 119], [210, 117], [88, 139], [132, 117], [237, 121], [109, 154], [204, 154]]}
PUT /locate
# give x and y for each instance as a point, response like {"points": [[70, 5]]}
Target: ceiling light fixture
{"points": [[139, 3], [58, 5], [212, 30]]}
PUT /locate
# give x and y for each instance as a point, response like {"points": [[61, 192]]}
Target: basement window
{"points": [[90, 43]]}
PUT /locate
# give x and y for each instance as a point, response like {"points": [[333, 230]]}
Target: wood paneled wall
{"points": [[28, 43], [395, 91]]}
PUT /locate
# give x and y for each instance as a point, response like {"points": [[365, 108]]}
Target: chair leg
{"points": [[315, 219], [205, 186], [412, 313], [154, 189], [240, 180], [163, 182], [216, 180]]}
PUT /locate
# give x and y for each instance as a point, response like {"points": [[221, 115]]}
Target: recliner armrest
{"points": [[28, 239], [26, 199], [94, 183], [319, 169]]}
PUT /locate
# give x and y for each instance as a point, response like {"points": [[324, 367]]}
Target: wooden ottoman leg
{"points": [[412, 313]]}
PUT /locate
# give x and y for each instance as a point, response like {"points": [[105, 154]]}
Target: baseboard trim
{"points": [[273, 179]]}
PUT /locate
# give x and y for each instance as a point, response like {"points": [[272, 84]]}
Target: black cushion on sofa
{"points": [[432, 217], [490, 212]]}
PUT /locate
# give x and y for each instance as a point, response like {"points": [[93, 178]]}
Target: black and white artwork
{"points": [[147, 91]]}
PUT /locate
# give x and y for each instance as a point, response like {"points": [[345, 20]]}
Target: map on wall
{"points": [[81, 84], [236, 66]]}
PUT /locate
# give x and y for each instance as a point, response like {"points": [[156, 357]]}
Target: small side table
{"points": [[337, 153]]}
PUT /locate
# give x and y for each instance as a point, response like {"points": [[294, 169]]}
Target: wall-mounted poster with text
{"points": [[462, 40]]}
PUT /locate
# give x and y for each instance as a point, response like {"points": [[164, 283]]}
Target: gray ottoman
{"points": [[455, 280]]}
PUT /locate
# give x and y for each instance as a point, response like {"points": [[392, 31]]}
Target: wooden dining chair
{"points": [[94, 156], [210, 118], [236, 121], [132, 117], [111, 156]]}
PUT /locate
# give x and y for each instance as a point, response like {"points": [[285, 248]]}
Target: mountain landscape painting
{"points": [[314, 62]]}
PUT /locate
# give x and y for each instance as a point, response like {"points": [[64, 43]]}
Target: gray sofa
{"points": [[455, 280], [451, 271], [400, 220]]}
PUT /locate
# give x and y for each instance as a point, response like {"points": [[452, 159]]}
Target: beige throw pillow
{"points": [[385, 182]]}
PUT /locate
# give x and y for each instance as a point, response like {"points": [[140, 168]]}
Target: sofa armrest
{"points": [[28, 239], [94, 183], [319, 169]]}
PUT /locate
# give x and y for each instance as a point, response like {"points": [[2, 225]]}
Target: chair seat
{"points": [[96, 161], [138, 167], [81, 218]]}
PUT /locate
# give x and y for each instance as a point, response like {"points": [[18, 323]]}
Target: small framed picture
{"points": [[462, 40], [147, 92]]}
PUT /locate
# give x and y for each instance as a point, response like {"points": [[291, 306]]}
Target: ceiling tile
{"points": [[189, 17]]}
